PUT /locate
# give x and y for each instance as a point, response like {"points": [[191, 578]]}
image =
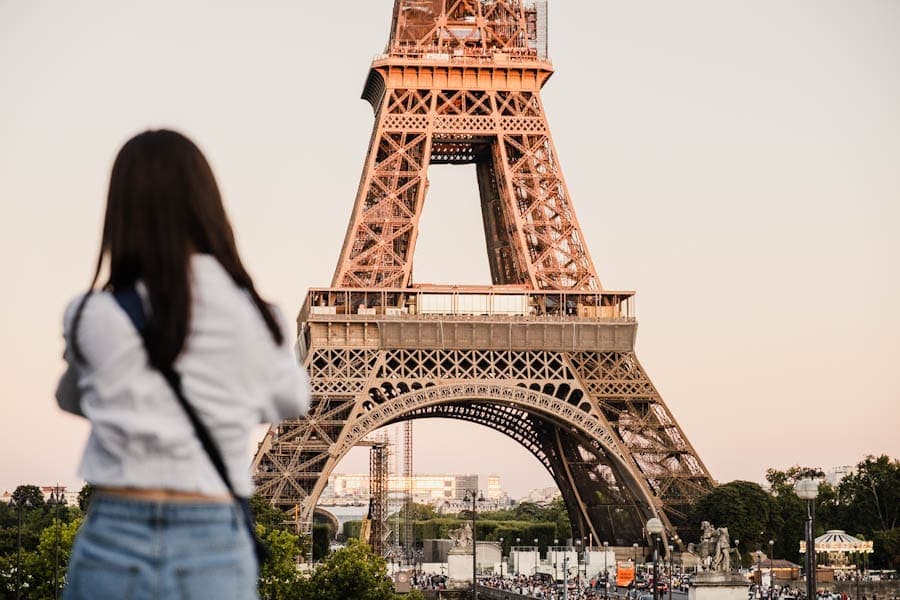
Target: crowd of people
{"points": [[426, 581], [543, 588]]}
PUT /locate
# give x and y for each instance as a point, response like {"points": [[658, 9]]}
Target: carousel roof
{"points": [[836, 540]]}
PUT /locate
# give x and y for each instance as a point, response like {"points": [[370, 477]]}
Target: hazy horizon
{"points": [[738, 164]]}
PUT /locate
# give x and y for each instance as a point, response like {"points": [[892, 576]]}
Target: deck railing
{"points": [[490, 303]]}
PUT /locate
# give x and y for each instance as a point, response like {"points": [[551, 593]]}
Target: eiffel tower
{"points": [[544, 356]]}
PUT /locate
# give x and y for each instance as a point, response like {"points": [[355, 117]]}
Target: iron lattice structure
{"points": [[379, 455], [546, 356], [407, 540]]}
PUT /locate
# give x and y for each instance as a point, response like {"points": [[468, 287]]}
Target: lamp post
{"points": [[808, 489], [605, 569], [56, 501], [634, 581], [578, 563], [555, 559], [537, 556], [771, 569], [671, 568], [654, 528], [759, 574], [518, 541], [19, 504], [473, 496], [501, 558], [737, 548]]}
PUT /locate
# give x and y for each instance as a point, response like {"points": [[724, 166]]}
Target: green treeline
{"points": [[865, 504], [526, 522]]}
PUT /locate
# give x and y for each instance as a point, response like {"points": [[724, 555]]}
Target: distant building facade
{"points": [[836, 474], [436, 490], [50, 493], [542, 495]]}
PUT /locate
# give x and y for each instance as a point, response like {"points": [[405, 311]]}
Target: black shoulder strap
{"points": [[130, 302]]}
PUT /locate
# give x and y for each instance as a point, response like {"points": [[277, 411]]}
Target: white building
{"points": [[836, 474], [542, 495], [494, 491], [49, 492], [436, 490]]}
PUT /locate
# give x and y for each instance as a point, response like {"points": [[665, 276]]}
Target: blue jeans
{"points": [[134, 550]]}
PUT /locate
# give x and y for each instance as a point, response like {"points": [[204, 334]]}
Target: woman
{"points": [[162, 523]]}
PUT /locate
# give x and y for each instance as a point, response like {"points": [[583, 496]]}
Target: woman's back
{"points": [[233, 373]]}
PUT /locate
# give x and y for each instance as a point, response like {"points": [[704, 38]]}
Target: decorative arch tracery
{"points": [[393, 409]]}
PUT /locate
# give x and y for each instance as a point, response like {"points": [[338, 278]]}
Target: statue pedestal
{"points": [[719, 586], [459, 569]]}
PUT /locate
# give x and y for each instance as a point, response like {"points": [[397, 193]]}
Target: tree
{"points": [[322, 534], [423, 512], [279, 578], [84, 496], [351, 572], [352, 530], [28, 495], [790, 510], [267, 515], [38, 568], [867, 503], [528, 511], [745, 508], [887, 548], [871, 496]]}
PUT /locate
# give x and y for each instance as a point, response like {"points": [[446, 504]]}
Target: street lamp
{"points": [[654, 528], [518, 541], [808, 489], [605, 569], [737, 544], [501, 558], [555, 559], [537, 556], [759, 574], [578, 563], [474, 497], [671, 568], [771, 569], [55, 501], [19, 504]]}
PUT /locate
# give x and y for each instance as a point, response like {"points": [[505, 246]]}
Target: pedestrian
{"points": [[173, 361]]}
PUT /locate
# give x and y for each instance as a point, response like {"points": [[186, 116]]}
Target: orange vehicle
{"points": [[624, 574]]}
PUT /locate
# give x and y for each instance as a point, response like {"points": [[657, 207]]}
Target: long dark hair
{"points": [[163, 206]]}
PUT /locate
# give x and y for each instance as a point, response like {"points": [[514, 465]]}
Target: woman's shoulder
{"points": [[97, 306], [100, 323]]}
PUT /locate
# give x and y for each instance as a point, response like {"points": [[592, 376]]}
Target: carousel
{"points": [[842, 552]]}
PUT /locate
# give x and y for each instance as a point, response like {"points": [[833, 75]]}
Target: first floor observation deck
{"points": [[456, 317]]}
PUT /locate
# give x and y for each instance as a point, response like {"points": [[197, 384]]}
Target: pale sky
{"points": [[736, 163]]}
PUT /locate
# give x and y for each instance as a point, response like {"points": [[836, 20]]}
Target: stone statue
{"points": [[722, 554], [706, 548], [462, 537], [714, 550]]}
